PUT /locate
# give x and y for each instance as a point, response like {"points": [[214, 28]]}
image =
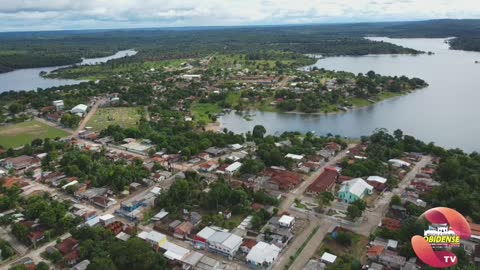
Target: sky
{"points": [[33, 15]]}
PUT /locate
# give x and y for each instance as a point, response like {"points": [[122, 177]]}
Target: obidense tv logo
{"points": [[448, 228]]}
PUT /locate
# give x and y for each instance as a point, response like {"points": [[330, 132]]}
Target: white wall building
{"points": [[262, 255]]}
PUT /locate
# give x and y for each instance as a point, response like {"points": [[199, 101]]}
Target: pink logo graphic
{"points": [[458, 229]]}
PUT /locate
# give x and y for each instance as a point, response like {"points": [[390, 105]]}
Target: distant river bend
{"points": [[30, 79]]}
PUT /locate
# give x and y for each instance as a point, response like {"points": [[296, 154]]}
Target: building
{"points": [[232, 168], [58, 104], [218, 240], [328, 258], [353, 190], [324, 182], [183, 230], [70, 250], [286, 221], [392, 260], [377, 182], [80, 110], [21, 163], [262, 256], [154, 238], [282, 179], [399, 163]]}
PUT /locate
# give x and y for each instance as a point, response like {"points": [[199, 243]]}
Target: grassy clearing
{"points": [[387, 95], [125, 117], [233, 99], [24, 133], [356, 250], [203, 112], [360, 102]]}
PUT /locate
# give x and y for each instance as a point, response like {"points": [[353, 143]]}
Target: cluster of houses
{"points": [[55, 112]]}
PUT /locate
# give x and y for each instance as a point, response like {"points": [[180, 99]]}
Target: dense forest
{"points": [[38, 49]]}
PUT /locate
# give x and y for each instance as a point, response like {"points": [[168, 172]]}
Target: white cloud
{"points": [[67, 14]]}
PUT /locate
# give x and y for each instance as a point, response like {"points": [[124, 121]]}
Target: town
{"points": [[132, 170]]}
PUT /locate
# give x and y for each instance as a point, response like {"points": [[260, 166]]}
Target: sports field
{"points": [[23, 133], [125, 117]]}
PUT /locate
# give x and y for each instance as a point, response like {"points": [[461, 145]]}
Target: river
{"points": [[446, 112], [29, 78]]}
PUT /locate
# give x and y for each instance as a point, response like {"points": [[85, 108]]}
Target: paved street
{"points": [[373, 218]]}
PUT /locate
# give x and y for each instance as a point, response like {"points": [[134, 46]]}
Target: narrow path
{"points": [[89, 116]]}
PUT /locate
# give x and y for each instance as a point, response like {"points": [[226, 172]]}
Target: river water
{"points": [[29, 78], [447, 112]]}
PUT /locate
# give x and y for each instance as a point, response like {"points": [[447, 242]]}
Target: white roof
{"points": [[233, 167], [80, 107], [327, 257], [122, 236], [392, 243], [155, 236], [92, 222], [175, 252], [399, 161], [263, 252], [236, 146], [377, 179], [206, 232], [286, 219], [293, 156], [233, 241], [107, 217], [143, 235], [160, 215], [156, 190], [356, 187]]}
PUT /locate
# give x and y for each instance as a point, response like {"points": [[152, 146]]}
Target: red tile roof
{"points": [[375, 251], [391, 224], [67, 245], [249, 243], [285, 180], [324, 181]]}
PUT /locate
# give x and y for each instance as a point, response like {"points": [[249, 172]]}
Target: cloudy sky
{"points": [[22, 15]]}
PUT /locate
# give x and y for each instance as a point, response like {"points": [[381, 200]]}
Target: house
{"points": [[195, 218], [374, 252], [286, 221], [391, 224], [294, 157], [183, 230], [107, 219], [392, 259], [155, 239], [58, 104], [69, 248], [232, 168], [247, 245], [354, 190], [262, 256], [80, 110], [328, 258], [218, 240], [399, 163], [81, 265], [209, 166], [282, 179], [324, 182], [21, 163], [103, 202], [377, 182]]}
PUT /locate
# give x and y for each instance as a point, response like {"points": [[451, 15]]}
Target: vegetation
{"points": [[105, 252], [125, 117], [24, 133]]}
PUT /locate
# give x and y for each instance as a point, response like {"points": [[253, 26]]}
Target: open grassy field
{"points": [[23, 133], [357, 249], [203, 111], [125, 117]]}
